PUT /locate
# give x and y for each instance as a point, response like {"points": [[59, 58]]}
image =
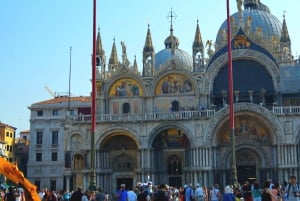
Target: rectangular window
{"points": [[54, 137], [54, 112], [38, 157], [54, 156], [7, 147], [71, 112], [39, 137], [40, 113], [11, 148], [7, 134], [25, 137]]}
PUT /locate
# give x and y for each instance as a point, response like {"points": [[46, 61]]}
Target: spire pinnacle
{"points": [[99, 49], [198, 39], [148, 43], [135, 66], [285, 37], [113, 60]]}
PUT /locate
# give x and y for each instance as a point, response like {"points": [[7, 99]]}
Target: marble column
{"points": [[68, 182], [237, 96], [250, 92], [224, 95], [263, 94]]}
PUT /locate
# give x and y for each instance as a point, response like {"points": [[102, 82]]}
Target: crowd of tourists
{"points": [[254, 191]]}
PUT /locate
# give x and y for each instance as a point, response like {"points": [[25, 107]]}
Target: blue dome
{"points": [[182, 58], [268, 24]]}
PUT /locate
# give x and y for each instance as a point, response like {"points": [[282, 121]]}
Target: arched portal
{"points": [[169, 153], [254, 142], [122, 152]]}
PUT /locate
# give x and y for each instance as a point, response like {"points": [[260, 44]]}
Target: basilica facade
{"points": [[170, 123]]}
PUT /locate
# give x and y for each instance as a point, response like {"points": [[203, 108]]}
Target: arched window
{"points": [[175, 106], [126, 108]]}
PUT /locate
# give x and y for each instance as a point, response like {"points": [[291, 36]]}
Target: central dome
{"points": [[261, 22], [172, 51], [182, 58]]}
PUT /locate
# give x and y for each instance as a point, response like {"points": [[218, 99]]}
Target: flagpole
{"points": [[93, 114], [231, 106]]}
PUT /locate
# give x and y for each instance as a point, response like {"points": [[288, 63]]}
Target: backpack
{"points": [[286, 195]]}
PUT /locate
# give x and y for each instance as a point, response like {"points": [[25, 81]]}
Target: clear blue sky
{"points": [[36, 37]]}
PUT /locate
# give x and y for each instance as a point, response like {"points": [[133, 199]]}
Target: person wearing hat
{"points": [[199, 193]]}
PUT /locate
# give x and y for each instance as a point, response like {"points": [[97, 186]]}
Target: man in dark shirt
{"points": [[76, 196], [10, 196], [142, 196], [161, 193]]}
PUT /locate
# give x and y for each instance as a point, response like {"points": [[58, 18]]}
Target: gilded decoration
{"points": [[247, 129], [241, 41], [126, 87], [119, 142], [171, 138], [174, 84]]}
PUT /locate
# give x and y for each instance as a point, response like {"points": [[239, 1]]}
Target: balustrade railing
{"points": [[282, 110], [153, 116]]}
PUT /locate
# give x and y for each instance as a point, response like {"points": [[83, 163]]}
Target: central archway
{"points": [[169, 151], [247, 163]]}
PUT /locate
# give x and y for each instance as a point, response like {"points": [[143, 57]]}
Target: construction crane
{"points": [[50, 91]]}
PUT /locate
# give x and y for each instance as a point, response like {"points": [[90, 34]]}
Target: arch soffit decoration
{"points": [[260, 153], [117, 130], [112, 81], [179, 71], [256, 56], [165, 126], [254, 110]]}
